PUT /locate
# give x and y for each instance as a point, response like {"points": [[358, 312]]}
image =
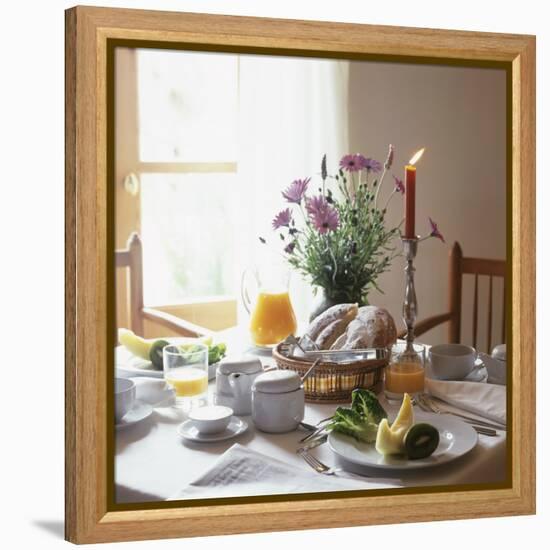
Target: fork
{"points": [[317, 465], [316, 430]]}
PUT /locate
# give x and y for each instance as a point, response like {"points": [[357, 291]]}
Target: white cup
{"points": [[125, 396], [211, 419], [452, 361]]}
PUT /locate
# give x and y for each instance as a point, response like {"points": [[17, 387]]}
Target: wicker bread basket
{"points": [[333, 382]]}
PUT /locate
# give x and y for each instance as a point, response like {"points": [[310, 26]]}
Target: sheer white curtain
{"points": [[292, 111]]}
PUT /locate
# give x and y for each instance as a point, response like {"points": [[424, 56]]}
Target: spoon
{"points": [[310, 370]]}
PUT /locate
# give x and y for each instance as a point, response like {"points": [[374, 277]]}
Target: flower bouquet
{"points": [[337, 237]]}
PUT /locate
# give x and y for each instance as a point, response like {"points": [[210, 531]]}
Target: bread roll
{"points": [[330, 324], [331, 333], [373, 327]]}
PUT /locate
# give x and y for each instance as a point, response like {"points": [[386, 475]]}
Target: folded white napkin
{"points": [[485, 400], [244, 472], [154, 391]]}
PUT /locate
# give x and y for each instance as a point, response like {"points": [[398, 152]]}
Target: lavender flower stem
{"points": [[333, 261], [308, 228], [389, 199], [379, 186]]}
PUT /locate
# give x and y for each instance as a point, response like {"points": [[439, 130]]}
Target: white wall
{"points": [[459, 115]]}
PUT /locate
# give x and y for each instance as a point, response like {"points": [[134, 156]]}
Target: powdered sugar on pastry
{"points": [[373, 327]]}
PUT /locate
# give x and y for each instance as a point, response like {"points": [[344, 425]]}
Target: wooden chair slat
{"points": [[484, 266], [490, 314], [503, 329], [475, 308]]}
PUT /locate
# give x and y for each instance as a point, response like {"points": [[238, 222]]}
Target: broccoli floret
{"points": [[350, 422], [365, 403], [215, 353]]}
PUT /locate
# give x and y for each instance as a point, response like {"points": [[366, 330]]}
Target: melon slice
{"points": [[134, 344], [391, 439]]}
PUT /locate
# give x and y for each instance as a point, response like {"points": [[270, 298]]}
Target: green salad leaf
{"points": [[362, 419], [215, 351], [367, 405]]}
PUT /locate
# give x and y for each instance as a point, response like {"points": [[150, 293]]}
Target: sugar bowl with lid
{"points": [[278, 401]]}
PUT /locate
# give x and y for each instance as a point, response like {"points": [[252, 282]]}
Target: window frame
{"points": [[128, 171]]}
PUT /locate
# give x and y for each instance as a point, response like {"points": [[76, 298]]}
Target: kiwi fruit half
{"points": [[421, 441], [155, 354]]}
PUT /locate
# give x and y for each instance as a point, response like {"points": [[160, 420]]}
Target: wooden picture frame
{"points": [[89, 35]]}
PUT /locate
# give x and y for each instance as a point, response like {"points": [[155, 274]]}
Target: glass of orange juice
{"points": [[272, 317], [405, 371], [186, 370]]}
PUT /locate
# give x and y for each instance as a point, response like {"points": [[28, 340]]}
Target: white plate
{"points": [[139, 412], [456, 438], [128, 365], [236, 427]]}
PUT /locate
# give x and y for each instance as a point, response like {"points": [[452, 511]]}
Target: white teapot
{"points": [[234, 378]]}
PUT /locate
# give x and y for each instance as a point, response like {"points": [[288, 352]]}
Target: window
{"points": [[212, 139], [187, 106]]}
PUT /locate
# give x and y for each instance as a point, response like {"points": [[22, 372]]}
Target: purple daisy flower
{"points": [[370, 165], [399, 187], [435, 231], [352, 163], [296, 191], [282, 219], [322, 214], [289, 248]]}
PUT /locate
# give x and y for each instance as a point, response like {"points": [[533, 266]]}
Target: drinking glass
{"points": [[405, 371], [186, 370]]}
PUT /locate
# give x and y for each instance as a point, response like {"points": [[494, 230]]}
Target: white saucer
{"points": [[188, 431], [140, 412], [479, 374]]}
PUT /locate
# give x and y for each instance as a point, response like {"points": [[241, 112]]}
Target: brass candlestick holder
{"points": [[410, 306]]}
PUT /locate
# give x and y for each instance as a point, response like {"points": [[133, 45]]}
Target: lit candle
{"points": [[410, 195]]}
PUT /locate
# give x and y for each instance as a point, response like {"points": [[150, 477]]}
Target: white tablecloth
{"points": [[153, 463]]}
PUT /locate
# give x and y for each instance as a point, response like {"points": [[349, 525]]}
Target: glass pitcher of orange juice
{"points": [[266, 299]]}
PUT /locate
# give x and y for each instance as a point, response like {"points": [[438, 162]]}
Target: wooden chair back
{"points": [[459, 265], [131, 258], [478, 267]]}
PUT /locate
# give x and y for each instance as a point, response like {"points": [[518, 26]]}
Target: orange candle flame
{"points": [[416, 156]]}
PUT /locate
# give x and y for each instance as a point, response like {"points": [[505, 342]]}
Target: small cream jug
{"points": [[234, 379], [278, 401]]}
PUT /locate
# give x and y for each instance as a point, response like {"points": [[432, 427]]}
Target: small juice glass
{"points": [[186, 370], [405, 371]]}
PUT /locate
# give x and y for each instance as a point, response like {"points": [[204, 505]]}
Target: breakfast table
{"points": [[153, 463]]}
